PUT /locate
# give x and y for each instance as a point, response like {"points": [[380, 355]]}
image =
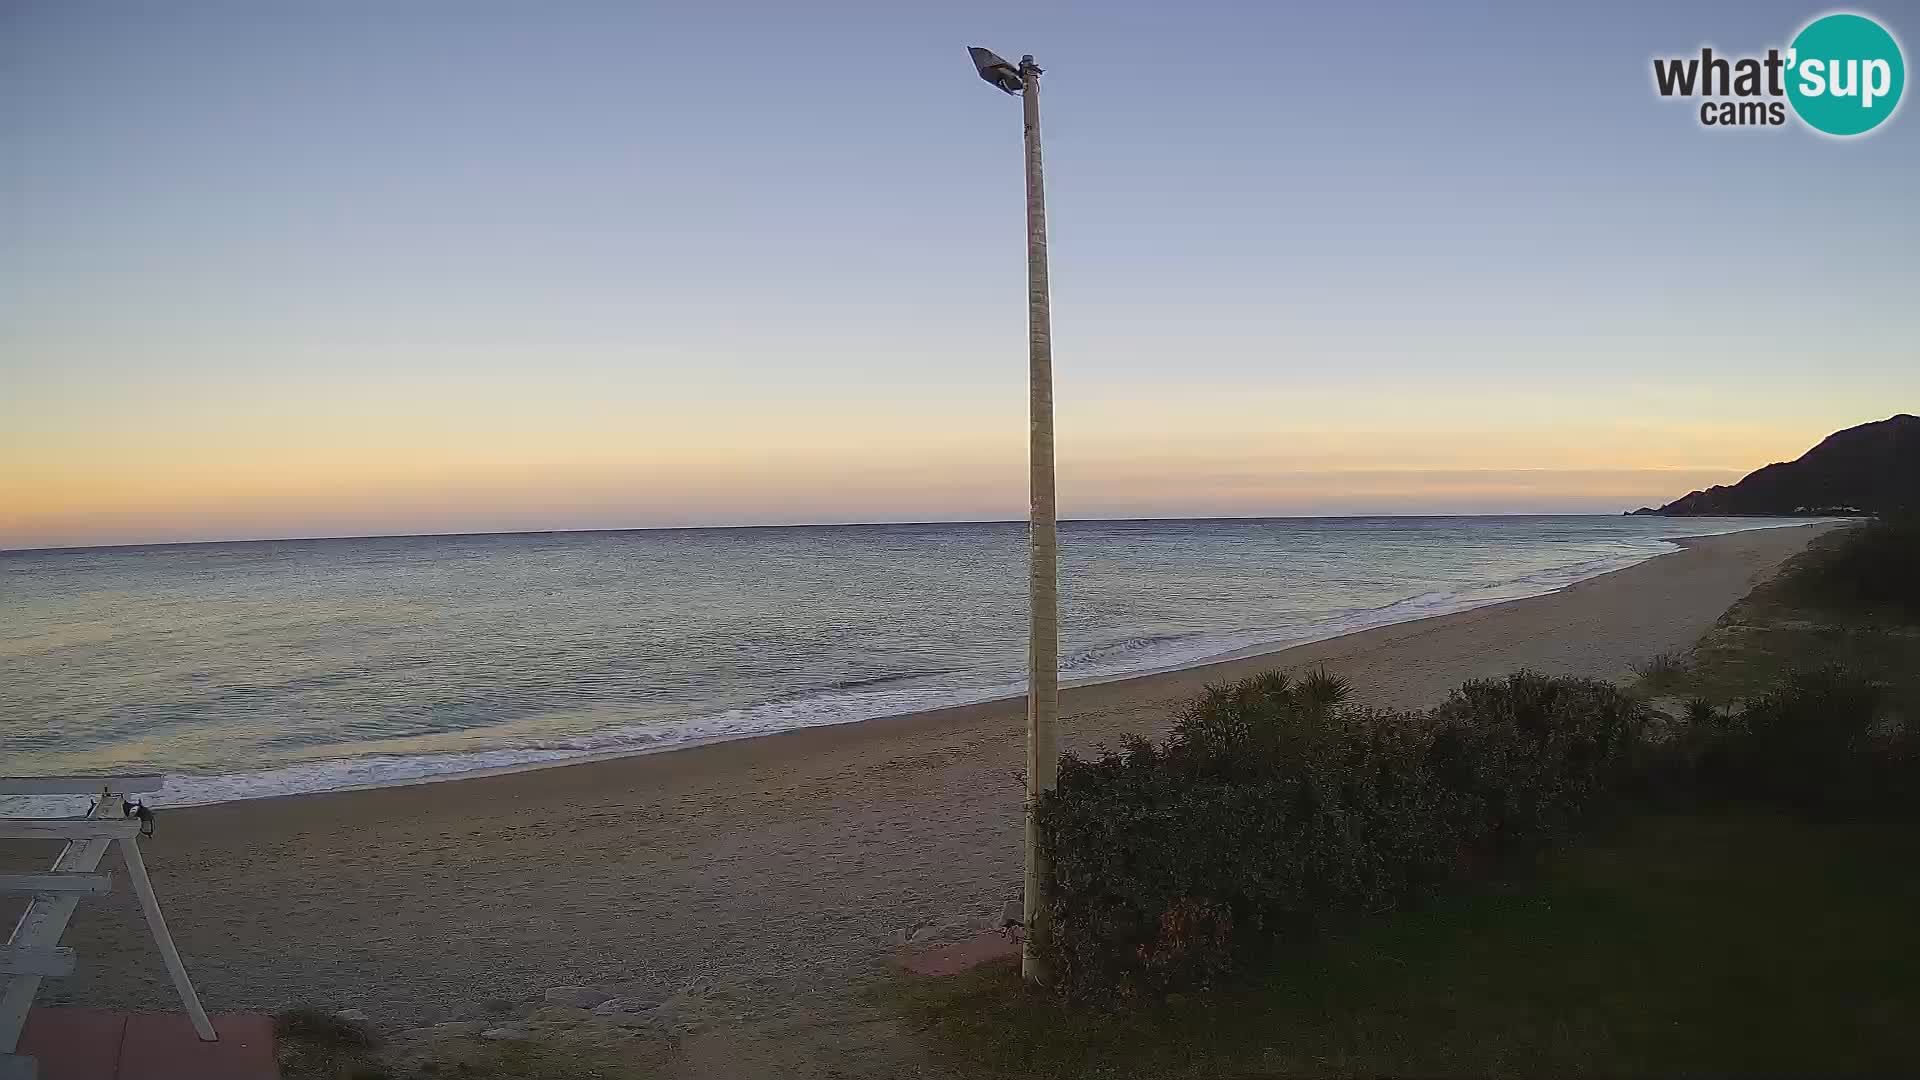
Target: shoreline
{"points": [[769, 867], [234, 787]]}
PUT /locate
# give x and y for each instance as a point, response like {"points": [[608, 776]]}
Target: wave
{"points": [[853, 700], [1124, 651], [882, 680]]}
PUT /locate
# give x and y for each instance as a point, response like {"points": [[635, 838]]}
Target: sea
{"points": [[242, 670]]}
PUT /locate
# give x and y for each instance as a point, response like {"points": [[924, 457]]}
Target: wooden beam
{"points": [[29, 960], [55, 884], [41, 926], [78, 785], [150, 904], [69, 828]]}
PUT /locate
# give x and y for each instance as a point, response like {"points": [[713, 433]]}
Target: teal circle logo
{"points": [[1845, 74]]}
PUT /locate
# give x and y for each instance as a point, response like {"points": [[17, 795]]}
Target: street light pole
{"points": [[1043, 626], [1043, 650]]}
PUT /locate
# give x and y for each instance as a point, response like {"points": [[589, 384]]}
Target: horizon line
{"points": [[792, 525]]}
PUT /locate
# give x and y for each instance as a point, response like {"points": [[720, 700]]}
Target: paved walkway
{"points": [[101, 1044]]}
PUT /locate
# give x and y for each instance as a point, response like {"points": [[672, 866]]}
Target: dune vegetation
{"points": [[1712, 869]]}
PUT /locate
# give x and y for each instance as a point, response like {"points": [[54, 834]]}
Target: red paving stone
{"points": [[97, 1044], [74, 1044], [959, 956]]}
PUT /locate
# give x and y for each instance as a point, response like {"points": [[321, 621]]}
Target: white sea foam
{"points": [[1122, 659]]}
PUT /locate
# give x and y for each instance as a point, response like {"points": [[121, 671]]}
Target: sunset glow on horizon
{"points": [[431, 269]]}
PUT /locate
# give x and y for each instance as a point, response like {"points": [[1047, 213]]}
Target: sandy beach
{"points": [[769, 871]]}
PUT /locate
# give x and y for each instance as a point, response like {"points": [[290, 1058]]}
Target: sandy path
{"points": [[776, 866]]}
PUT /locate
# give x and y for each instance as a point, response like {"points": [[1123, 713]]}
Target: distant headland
{"points": [[1870, 469]]}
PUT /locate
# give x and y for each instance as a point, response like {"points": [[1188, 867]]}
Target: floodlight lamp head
{"points": [[996, 70]]}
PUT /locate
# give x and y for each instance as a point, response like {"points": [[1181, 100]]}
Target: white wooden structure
{"points": [[33, 952]]}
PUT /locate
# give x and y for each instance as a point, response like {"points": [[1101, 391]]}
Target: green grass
{"points": [[1795, 622], [1716, 941]]}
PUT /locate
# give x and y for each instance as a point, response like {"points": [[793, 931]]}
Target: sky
{"points": [[344, 268]]}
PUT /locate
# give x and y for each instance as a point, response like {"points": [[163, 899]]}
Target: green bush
{"points": [[1274, 804], [1527, 754], [1821, 741]]}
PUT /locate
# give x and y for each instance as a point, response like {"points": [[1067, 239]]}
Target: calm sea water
{"points": [[262, 668]]}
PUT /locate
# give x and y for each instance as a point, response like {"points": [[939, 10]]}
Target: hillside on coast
{"points": [[1870, 469]]}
